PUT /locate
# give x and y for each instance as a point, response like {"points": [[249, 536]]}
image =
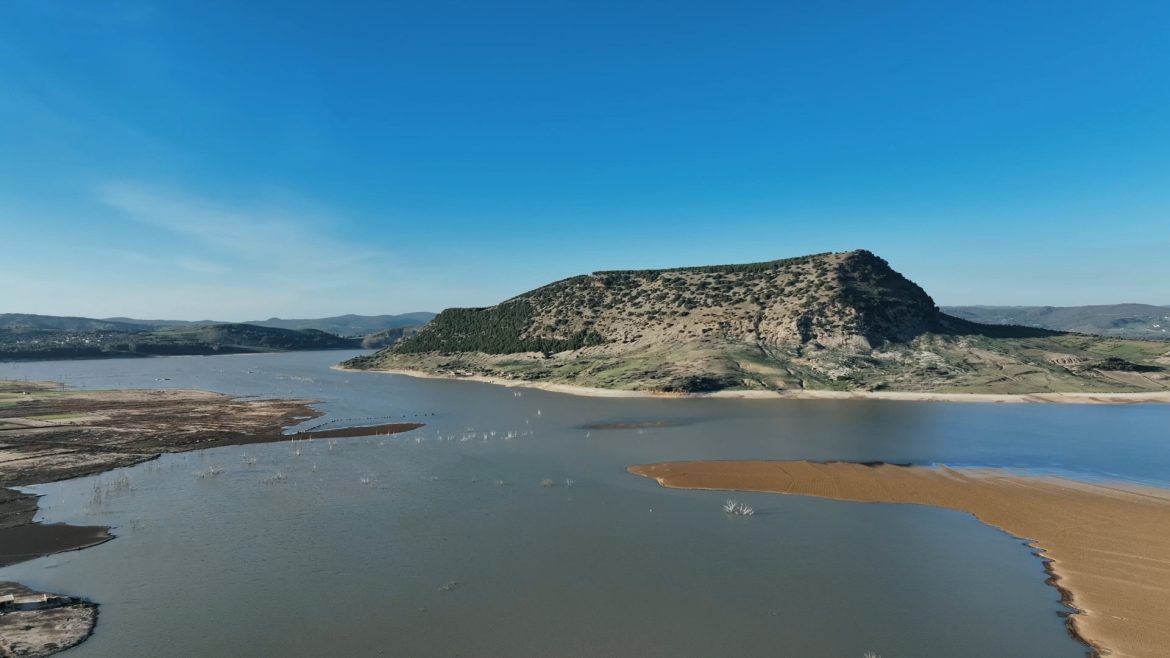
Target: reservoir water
{"points": [[507, 527]]}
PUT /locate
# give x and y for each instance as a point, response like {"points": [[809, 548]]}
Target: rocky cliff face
{"points": [[838, 321], [851, 298]]}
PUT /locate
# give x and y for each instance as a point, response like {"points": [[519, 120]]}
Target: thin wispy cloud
{"points": [[278, 239], [233, 257]]}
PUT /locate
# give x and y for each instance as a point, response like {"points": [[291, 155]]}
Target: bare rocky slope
{"points": [[834, 321]]}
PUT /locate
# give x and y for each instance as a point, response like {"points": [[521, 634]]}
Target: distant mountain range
{"points": [[838, 321], [341, 325], [1121, 320], [36, 337]]}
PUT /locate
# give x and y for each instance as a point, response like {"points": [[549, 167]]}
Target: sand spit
{"points": [[358, 430], [33, 540], [1109, 544], [1162, 397]]}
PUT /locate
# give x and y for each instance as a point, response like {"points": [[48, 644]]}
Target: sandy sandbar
{"points": [[1108, 543], [358, 430], [1162, 397], [35, 540]]}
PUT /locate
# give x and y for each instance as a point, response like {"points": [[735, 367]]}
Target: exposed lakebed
{"points": [[442, 541]]}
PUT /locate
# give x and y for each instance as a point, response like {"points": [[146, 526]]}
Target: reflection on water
{"points": [[640, 424], [505, 527]]}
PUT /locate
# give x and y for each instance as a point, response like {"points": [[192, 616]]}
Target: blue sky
{"points": [[242, 160]]}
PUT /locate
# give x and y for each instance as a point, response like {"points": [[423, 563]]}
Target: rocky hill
{"points": [[388, 337], [838, 321]]}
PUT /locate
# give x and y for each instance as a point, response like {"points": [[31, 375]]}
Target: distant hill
{"points": [[30, 322], [162, 324], [352, 325], [388, 337], [342, 325], [40, 344], [1120, 320], [837, 321], [28, 336]]}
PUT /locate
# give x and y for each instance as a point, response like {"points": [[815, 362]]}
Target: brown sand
{"points": [[1109, 544]]}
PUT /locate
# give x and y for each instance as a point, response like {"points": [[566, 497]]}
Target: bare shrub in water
{"points": [[736, 508]]}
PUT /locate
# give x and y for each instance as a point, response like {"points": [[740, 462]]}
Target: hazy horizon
{"points": [[191, 161], [304, 316]]}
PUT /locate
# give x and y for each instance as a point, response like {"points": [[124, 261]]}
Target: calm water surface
{"points": [[442, 541]]}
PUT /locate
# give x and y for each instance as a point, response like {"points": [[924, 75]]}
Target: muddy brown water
{"points": [[442, 541]]}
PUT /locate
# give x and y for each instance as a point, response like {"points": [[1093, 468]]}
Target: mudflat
{"points": [[32, 540], [48, 433], [1108, 543]]}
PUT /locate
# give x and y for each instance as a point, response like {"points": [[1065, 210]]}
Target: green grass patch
{"points": [[65, 416]]}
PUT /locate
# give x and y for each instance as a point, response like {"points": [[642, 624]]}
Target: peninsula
{"points": [[836, 322]]}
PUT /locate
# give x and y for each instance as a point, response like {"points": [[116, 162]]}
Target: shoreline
{"points": [[50, 435], [33, 540], [39, 623], [1156, 397], [1113, 571]]}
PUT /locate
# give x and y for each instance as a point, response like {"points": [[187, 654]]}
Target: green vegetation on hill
{"points": [[32, 322], [496, 330], [741, 268], [341, 325], [842, 321], [37, 337], [213, 339]]}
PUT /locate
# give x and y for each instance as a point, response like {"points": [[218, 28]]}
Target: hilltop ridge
{"points": [[238, 338], [831, 321], [37, 337], [1143, 321]]}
